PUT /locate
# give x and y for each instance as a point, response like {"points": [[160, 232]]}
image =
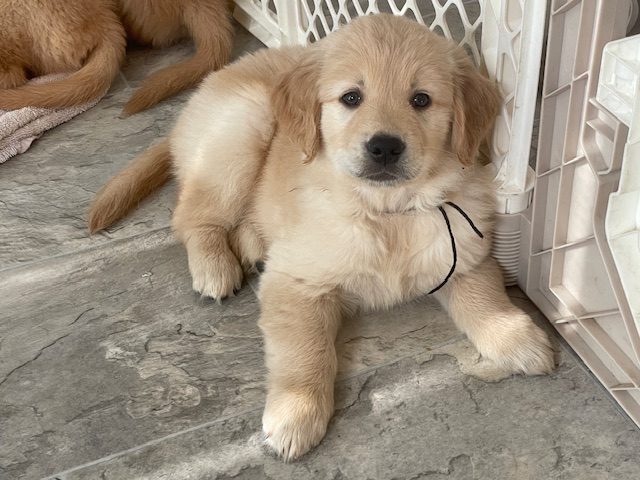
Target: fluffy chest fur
{"points": [[319, 233], [382, 261]]}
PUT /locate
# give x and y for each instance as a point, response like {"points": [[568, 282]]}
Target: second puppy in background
{"points": [[162, 23], [87, 37]]}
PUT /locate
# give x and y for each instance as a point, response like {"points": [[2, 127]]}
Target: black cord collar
{"points": [[453, 240], [260, 265]]}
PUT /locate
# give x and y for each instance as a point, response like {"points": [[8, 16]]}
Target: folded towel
{"points": [[18, 128]]}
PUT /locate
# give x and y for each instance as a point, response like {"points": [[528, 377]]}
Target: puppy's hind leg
{"points": [[248, 246], [219, 146]]}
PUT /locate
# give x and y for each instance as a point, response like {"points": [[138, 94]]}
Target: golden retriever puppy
{"points": [[88, 37], [348, 167]]}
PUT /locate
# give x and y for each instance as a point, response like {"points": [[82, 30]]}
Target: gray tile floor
{"points": [[111, 368]]}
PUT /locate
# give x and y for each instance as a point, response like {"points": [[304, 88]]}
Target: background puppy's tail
{"points": [[147, 172], [88, 83], [212, 32]]}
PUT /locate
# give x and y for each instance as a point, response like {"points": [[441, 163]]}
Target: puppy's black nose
{"points": [[385, 149]]}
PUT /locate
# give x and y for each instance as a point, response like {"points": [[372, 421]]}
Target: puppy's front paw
{"points": [[293, 423], [216, 274], [516, 343]]}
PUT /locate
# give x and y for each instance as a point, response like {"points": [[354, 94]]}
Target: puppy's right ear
{"points": [[297, 108]]}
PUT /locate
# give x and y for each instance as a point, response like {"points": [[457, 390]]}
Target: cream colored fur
{"points": [[270, 162]]}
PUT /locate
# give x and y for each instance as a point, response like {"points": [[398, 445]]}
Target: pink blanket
{"points": [[19, 128]]}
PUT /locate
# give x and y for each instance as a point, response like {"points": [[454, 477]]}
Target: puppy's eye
{"points": [[421, 100], [351, 99]]}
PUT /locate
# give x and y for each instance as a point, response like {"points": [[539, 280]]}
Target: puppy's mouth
{"points": [[384, 176]]}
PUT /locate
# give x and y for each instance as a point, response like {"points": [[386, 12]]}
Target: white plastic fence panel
{"points": [[512, 51], [456, 19], [570, 267], [619, 92], [260, 17]]}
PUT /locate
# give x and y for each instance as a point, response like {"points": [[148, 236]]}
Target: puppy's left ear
{"points": [[476, 104], [297, 108]]}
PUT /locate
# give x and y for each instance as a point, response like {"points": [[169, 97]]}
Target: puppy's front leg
{"points": [[299, 325], [201, 221], [480, 307]]}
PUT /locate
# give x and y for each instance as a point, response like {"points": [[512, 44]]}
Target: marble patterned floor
{"points": [[112, 368]]}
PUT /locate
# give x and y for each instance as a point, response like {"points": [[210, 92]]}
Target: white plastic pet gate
{"points": [[575, 252]]}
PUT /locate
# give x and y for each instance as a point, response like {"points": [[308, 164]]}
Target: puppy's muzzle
{"points": [[384, 155]]}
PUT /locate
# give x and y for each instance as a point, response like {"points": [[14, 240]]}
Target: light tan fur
{"points": [[88, 37], [40, 37], [272, 166]]}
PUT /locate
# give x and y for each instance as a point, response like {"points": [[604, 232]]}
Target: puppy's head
{"points": [[387, 101]]}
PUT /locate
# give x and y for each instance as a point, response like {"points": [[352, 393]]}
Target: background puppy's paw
{"points": [[216, 275], [518, 344], [293, 424]]}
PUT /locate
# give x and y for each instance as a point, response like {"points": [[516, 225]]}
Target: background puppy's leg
{"points": [[209, 23], [479, 306], [299, 325]]}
